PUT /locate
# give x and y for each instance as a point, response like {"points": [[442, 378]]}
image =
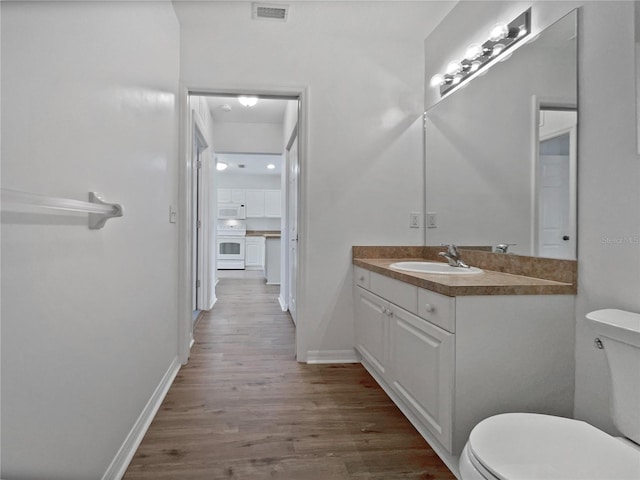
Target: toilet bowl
{"points": [[534, 446]]}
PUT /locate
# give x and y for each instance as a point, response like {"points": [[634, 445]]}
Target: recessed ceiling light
{"points": [[247, 101], [271, 166], [225, 108], [221, 166]]}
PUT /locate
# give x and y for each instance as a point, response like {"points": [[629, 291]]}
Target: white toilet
{"points": [[535, 447]]}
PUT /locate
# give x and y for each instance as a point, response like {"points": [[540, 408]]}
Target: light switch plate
{"points": [[432, 220], [414, 220]]}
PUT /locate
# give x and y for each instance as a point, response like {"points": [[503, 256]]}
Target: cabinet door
{"points": [[251, 253], [254, 202], [422, 356], [272, 205], [372, 329], [224, 195], [237, 195]]}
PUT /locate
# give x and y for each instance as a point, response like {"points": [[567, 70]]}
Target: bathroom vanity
{"points": [[451, 350]]}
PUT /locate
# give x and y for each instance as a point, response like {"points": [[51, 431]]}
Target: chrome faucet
{"points": [[453, 256], [503, 247]]}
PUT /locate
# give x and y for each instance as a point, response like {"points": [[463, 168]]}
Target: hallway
{"points": [[243, 407]]}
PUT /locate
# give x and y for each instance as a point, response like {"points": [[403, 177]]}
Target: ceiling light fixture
{"points": [[479, 57], [220, 166], [271, 166], [247, 101]]}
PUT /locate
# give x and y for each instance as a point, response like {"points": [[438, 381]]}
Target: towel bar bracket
{"points": [[97, 220]]}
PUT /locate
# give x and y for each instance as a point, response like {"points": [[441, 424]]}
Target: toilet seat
{"points": [[531, 446]]}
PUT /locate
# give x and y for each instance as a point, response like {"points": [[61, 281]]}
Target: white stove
{"points": [[230, 244]]}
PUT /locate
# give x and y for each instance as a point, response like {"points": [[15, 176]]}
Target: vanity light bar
{"points": [[502, 37]]}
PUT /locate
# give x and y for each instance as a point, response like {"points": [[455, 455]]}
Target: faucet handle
{"points": [[503, 247], [451, 248]]}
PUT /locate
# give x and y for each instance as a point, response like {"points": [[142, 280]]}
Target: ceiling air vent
{"points": [[269, 11]]}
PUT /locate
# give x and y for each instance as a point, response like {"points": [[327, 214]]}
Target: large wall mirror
{"points": [[501, 152]]}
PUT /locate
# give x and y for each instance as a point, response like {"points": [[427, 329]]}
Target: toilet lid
{"points": [[531, 446]]}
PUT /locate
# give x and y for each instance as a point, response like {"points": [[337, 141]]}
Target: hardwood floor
{"points": [[243, 408]]}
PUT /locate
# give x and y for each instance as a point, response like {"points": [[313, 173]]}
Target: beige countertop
{"points": [[264, 233], [487, 283]]}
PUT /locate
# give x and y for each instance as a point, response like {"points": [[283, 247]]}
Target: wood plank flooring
{"points": [[243, 408]]}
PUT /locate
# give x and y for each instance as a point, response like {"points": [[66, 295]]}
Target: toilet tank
{"points": [[619, 332]]}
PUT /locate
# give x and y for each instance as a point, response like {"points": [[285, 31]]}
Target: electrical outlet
{"points": [[432, 220], [414, 220], [172, 214]]}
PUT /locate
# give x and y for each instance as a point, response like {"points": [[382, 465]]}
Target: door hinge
{"points": [[424, 121], [199, 164], [198, 224], [197, 283]]}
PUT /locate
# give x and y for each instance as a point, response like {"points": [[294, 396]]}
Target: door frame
{"points": [[185, 239]]}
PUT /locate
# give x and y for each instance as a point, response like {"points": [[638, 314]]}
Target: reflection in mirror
{"points": [[500, 152], [555, 173]]}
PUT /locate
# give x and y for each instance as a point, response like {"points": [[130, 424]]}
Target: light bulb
{"points": [[475, 66], [498, 32], [437, 80], [247, 101], [456, 79], [453, 68], [220, 166], [497, 49], [271, 166], [473, 51]]}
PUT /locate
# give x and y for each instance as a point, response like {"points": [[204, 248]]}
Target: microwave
{"points": [[231, 211]]}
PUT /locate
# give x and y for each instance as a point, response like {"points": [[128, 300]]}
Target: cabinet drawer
{"points": [[437, 309], [400, 293], [361, 277]]}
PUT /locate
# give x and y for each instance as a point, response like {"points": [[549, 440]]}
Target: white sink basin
{"points": [[434, 267]]}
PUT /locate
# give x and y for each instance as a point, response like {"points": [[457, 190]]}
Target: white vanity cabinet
{"points": [[450, 362]]}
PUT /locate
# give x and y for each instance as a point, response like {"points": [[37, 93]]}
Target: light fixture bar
{"points": [[501, 38]]}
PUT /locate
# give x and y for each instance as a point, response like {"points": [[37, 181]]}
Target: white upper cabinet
{"points": [[231, 195], [272, 203], [254, 203]]}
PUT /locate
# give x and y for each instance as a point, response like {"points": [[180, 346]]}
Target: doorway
{"points": [[556, 184], [219, 137]]}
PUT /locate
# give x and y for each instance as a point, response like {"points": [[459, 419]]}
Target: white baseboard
{"points": [[283, 305], [332, 356], [213, 302], [122, 459]]}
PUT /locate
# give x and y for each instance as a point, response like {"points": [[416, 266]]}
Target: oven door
{"points": [[231, 248]]}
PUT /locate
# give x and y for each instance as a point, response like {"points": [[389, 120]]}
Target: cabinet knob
{"points": [[428, 307]]}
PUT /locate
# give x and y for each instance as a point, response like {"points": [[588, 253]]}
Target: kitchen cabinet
{"points": [[272, 203], [450, 362], [231, 195], [254, 203], [254, 252]]}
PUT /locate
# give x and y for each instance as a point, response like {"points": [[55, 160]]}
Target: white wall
{"points": [[364, 66], [88, 316], [608, 168], [248, 137]]}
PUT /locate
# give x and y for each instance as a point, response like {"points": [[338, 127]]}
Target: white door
{"points": [[292, 217]]}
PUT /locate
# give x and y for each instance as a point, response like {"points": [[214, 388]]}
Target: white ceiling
{"points": [[254, 164], [267, 110]]}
